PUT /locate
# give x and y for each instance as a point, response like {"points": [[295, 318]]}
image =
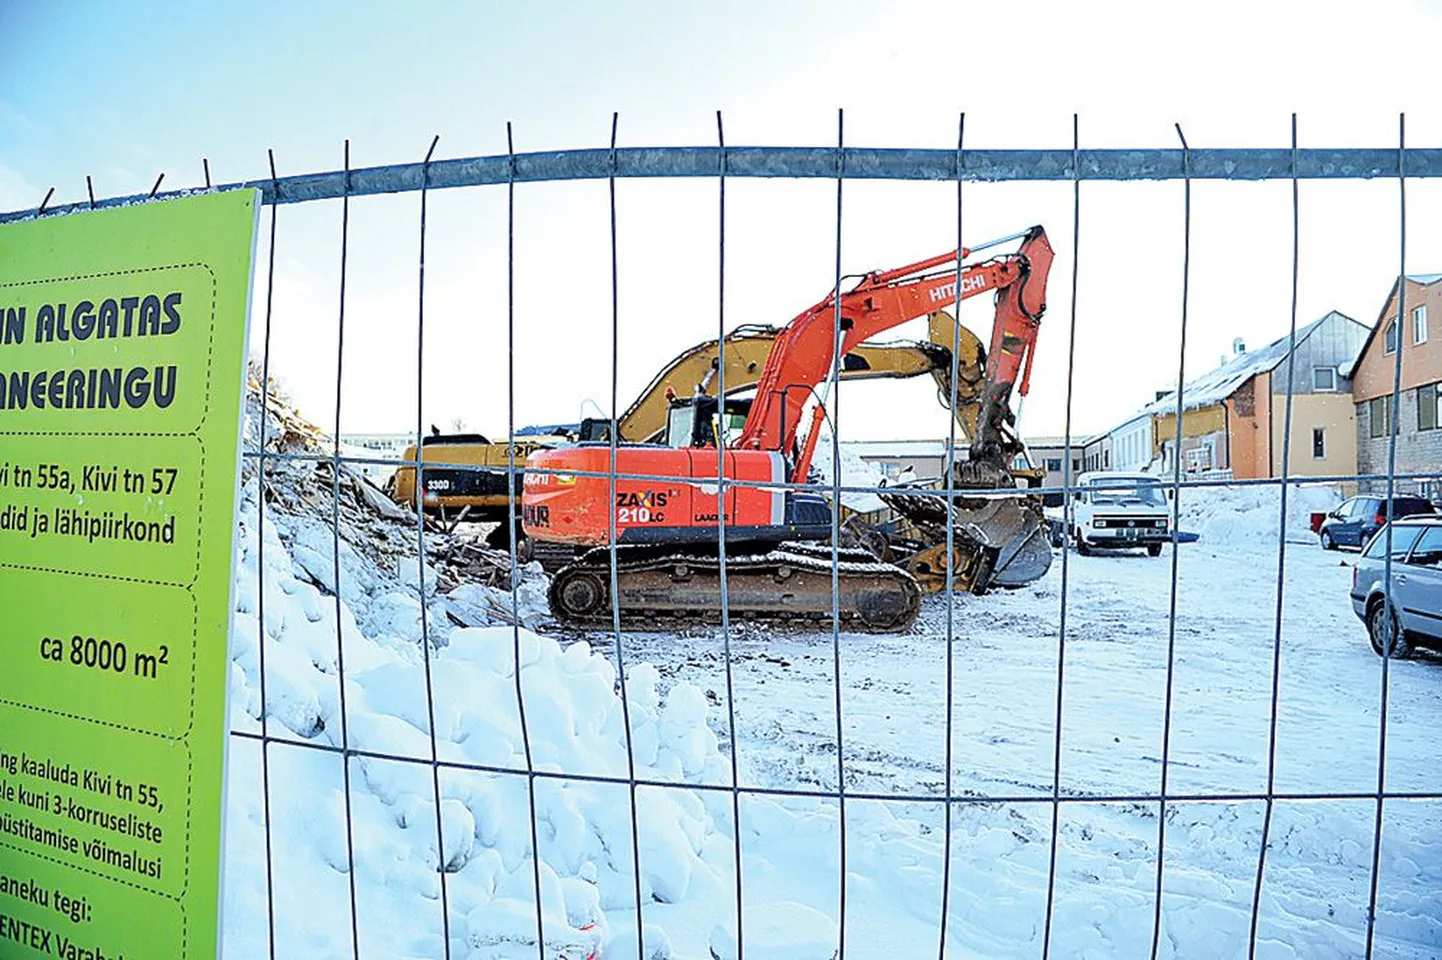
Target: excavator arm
{"points": [[802, 356]]}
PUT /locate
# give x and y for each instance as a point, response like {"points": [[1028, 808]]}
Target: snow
{"points": [[1002, 661], [1250, 514], [855, 472]]}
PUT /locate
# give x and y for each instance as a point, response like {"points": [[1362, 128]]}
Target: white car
{"points": [[1112, 509]]}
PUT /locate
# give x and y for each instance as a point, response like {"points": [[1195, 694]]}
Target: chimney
{"points": [[1238, 347]]}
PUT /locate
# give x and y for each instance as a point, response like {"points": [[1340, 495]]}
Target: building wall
{"points": [[1202, 427], [1051, 457], [1418, 451], [1132, 444], [1421, 363], [1335, 342], [1335, 415], [1195, 423], [1097, 455], [1249, 429]]}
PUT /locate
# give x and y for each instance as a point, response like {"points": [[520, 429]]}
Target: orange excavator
{"points": [[662, 507]]}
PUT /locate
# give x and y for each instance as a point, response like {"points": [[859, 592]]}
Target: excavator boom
{"points": [[804, 351]]}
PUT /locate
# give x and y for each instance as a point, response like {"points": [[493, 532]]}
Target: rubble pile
{"points": [[466, 582]]}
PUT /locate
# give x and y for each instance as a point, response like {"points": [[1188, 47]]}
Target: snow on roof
{"points": [[1424, 278], [1219, 384]]}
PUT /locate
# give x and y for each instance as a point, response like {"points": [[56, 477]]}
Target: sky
{"points": [[126, 92]]}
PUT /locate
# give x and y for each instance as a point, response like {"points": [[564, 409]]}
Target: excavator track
{"points": [[664, 587]]}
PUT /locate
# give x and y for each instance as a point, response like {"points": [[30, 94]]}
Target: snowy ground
{"points": [[1003, 658]]}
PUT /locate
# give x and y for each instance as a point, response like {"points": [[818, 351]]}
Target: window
{"points": [[1429, 548], [1379, 413], [1427, 407], [1324, 379], [1402, 539], [1419, 324], [1359, 507], [1391, 336], [1076, 465], [1054, 465], [1319, 443], [1119, 490]]}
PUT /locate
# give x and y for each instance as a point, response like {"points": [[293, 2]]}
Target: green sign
{"points": [[122, 343]]}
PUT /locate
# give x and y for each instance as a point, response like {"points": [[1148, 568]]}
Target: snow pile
{"points": [[855, 472], [574, 724], [1250, 514]]}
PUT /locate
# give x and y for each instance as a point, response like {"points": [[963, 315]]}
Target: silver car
{"points": [[1412, 614]]}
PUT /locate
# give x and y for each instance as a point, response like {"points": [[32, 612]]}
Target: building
{"points": [[1234, 417], [925, 458], [1050, 452], [1097, 453], [1127, 446], [1132, 444], [1419, 440], [376, 446]]}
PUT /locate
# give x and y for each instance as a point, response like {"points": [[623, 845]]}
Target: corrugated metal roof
{"points": [[1221, 383]]}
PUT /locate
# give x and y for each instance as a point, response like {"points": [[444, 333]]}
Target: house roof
{"points": [[1219, 384]]}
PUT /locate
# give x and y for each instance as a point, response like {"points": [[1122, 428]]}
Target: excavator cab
{"points": [[694, 421]]}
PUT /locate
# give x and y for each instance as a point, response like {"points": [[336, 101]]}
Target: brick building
{"points": [[1419, 432]]}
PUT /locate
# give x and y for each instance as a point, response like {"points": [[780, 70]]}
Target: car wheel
{"points": [[1154, 549], [1082, 547], [1327, 542], [1383, 631]]}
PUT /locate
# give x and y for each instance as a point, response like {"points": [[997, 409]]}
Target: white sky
{"points": [[1230, 73]]}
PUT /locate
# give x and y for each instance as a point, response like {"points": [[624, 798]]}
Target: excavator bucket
{"points": [[997, 541], [1025, 556]]}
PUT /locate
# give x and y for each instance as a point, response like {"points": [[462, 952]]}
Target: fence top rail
{"points": [[860, 163]]}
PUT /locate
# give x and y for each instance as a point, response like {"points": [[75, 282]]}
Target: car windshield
{"points": [[1128, 490]]}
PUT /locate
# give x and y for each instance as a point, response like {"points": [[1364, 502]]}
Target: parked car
{"points": [[1354, 522], [1116, 509], [1411, 612]]}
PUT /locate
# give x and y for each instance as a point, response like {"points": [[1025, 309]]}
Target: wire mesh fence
{"points": [[512, 821]]}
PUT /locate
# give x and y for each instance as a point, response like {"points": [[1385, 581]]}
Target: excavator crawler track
{"points": [[664, 587]]}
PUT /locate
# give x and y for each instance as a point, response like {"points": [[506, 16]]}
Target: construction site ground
{"points": [[1004, 659], [444, 656], [1004, 667]]}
